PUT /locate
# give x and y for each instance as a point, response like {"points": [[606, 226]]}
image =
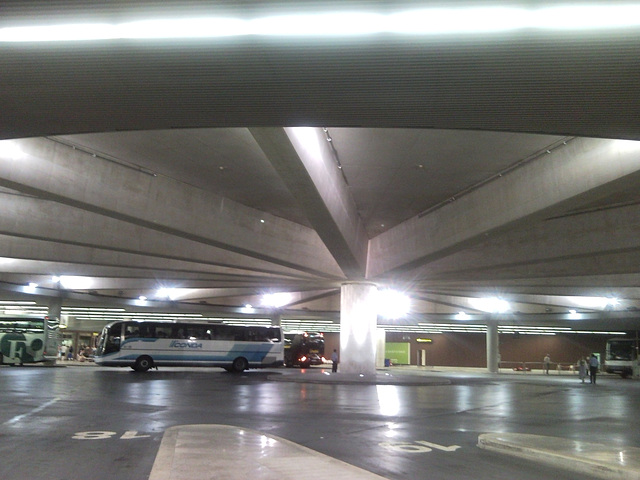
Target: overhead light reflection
{"points": [[388, 400]]}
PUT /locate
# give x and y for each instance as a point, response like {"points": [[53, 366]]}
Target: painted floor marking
{"points": [[35, 410]]}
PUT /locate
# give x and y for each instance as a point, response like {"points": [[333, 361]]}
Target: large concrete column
{"points": [[358, 321], [492, 346]]}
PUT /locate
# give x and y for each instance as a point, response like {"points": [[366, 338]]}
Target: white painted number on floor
{"points": [[419, 446], [101, 435]]}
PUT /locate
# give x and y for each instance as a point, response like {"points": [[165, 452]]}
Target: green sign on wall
{"points": [[398, 353]]}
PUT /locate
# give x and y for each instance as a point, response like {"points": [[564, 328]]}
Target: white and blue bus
{"points": [[29, 340], [142, 345], [621, 356]]}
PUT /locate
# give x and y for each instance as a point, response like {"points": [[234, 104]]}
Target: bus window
{"points": [[163, 331], [196, 333], [176, 332], [132, 331]]}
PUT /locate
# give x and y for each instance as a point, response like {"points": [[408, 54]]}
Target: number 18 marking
{"points": [[101, 435]]}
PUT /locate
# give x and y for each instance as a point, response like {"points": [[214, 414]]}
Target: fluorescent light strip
{"points": [[434, 21]]}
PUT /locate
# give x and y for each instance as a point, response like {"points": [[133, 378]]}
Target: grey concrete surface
{"points": [[197, 451]]}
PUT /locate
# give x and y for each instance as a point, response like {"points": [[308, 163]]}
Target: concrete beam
{"points": [[305, 162], [57, 172], [596, 242], [584, 169], [86, 238]]}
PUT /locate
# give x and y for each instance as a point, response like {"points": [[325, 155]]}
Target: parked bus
{"points": [[304, 349], [148, 344], [621, 355], [29, 340]]}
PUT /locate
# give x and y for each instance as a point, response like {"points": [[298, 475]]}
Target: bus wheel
{"points": [[143, 364], [240, 365]]}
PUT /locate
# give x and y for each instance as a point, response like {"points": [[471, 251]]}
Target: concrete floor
{"points": [[103, 423]]}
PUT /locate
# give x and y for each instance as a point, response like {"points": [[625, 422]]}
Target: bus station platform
{"points": [[598, 460], [224, 452]]}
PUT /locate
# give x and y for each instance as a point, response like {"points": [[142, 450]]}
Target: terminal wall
{"points": [[469, 349]]}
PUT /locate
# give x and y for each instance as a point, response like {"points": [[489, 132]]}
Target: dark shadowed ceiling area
{"points": [[452, 167]]}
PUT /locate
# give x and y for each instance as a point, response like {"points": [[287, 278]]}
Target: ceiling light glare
{"points": [[429, 21], [10, 149], [614, 302], [248, 308], [276, 300], [140, 301], [588, 17], [574, 315], [490, 305], [167, 293], [449, 20], [321, 24], [393, 304], [462, 316], [210, 27], [74, 282], [599, 303]]}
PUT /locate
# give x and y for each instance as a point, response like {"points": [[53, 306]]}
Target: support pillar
{"points": [[358, 322], [492, 347], [55, 308], [276, 319]]}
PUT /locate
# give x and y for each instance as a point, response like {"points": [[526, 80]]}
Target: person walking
{"points": [[334, 360], [582, 368], [593, 368], [546, 362]]}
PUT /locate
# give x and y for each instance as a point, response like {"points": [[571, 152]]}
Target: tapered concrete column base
{"points": [[358, 322]]}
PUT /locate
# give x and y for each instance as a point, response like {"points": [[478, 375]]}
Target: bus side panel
{"points": [[18, 348], [173, 352]]}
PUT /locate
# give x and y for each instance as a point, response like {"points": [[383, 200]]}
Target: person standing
{"points": [[546, 362], [334, 360], [593, 368]]}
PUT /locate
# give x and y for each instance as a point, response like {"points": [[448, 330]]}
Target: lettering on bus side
{"points": [[179, 344]]}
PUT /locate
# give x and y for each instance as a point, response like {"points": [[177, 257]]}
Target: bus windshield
{"points": [[620, 350]]}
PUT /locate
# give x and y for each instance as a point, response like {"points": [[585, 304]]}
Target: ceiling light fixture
{"points": [[428, 21]]}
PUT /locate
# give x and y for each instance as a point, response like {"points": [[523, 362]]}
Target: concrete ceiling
{"points": [[452, 168]]}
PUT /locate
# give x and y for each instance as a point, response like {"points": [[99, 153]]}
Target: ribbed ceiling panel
{"points": [[570, 84]]}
